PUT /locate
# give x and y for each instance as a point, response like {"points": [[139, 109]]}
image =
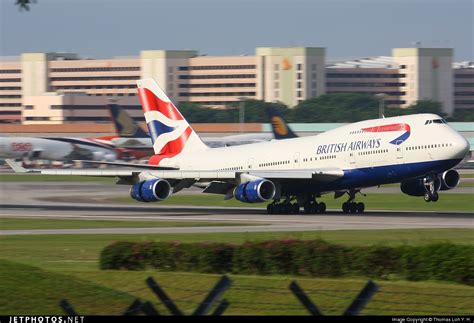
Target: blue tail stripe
{"points": [[156, 128]]}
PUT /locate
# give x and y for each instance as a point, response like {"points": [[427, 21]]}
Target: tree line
{"points": [[331, 107]]}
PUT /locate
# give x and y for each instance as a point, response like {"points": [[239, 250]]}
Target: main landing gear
{"points": [[431, 192], [309, 204], [285, 207], [352, 207]]}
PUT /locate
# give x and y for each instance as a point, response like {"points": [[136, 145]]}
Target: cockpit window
{"points": [[435, 121]]}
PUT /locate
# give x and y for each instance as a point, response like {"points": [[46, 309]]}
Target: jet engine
{"points": [[99, 155], [256, 191], [449, 180], [153, 190], [416, 187], [443, 182]]}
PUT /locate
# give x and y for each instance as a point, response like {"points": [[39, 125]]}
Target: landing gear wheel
{"points": [[322, 207], [360, 207], [270, 208], [435, 197], [314, 208], [353, 207], [427, 197], [295, 208], [345, 207]]}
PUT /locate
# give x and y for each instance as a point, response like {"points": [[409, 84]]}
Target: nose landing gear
{"points": [[431, 191]]}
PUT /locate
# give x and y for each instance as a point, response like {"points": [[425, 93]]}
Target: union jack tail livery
{"points": [[170, 133]]}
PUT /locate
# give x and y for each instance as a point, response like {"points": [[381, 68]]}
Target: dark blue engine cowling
{"points": [[151, 191], [445, 181], [449, 180], [413, 187], [256, 191]]}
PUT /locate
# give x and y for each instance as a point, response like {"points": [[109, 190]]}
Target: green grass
{"points": [[376, 201], [36, 224], [80, 252], [32, 290], [37, 271]]}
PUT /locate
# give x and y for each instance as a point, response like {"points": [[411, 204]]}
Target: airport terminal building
{"points": [[57, 88]]}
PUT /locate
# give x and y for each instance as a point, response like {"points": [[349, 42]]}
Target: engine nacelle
{"points": [[153, 190], [256, 191], [449, 180], [110, 157], [416, 187], [97, 155]]}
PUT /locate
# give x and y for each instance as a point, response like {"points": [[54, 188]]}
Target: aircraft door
{"points": [[296, 160], [399, 152], [352, 160], [251, 163]]}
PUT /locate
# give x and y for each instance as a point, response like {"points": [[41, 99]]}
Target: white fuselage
{"points": [[424, 148], [55, 148]]}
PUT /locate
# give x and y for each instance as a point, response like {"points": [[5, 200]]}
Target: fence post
{"points": [[149, 309], [163, 296], [221, 308], [222, 285], [362, 299], [134, 308], [67, 308], [304, 299]]}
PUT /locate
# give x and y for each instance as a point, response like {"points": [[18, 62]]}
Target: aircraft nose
{"points": [[462, 146]]}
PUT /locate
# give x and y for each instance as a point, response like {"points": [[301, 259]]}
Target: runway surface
{"points": [[30, 200], [330, 221]]}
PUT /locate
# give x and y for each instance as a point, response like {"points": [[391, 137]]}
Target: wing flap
{"points": [[216, 187]]}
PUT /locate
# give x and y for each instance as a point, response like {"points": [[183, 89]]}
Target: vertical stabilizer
{"points": [[125, 126], [170, 133]]}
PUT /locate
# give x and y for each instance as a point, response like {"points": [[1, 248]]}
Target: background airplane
{"points": [[418, 151], [132, 136], [57, 148]]}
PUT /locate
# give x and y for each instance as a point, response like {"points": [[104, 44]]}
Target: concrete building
{"points": [[57, 88]]}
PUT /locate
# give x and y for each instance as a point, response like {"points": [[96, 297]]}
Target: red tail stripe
{"points": [[389, 127], [150, 102]]}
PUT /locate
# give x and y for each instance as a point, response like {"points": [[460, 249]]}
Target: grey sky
{"points": [[349, 28]]}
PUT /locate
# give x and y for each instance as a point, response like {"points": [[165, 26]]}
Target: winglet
{"points": [[17, 168]]}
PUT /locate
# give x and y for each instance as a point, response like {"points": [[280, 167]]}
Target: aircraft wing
{"points": [[321, 174], [131, 165]]}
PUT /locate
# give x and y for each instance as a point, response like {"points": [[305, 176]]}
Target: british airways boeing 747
{"points": [[417, 151]]}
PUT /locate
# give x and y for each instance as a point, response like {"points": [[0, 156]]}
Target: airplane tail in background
{"points": [[125, 126], [169, 131], [280, 128]]}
